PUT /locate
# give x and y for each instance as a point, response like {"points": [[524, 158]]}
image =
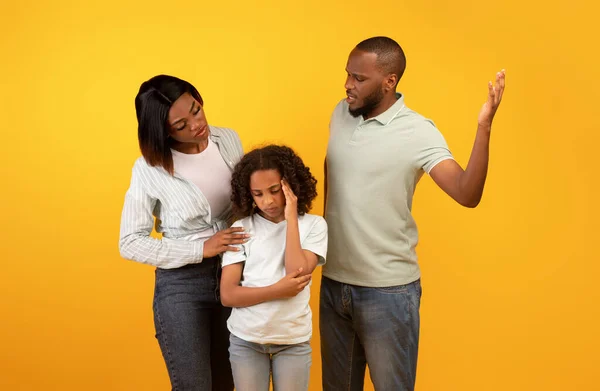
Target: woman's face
{"points": [[187, 122]]}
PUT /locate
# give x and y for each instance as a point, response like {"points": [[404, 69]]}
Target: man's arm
{"points": [[466, 186]]}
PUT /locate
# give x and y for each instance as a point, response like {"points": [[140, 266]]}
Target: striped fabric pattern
{"points": [[180, 208]]}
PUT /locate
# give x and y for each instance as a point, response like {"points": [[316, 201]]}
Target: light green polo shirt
{"points": [[373, 167]]}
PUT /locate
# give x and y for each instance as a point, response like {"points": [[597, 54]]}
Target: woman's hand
{"points": [[223, 240]]}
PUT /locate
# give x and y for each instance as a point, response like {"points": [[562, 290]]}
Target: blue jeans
{"points": [[253, 362], [374, 326], [191, 327]]}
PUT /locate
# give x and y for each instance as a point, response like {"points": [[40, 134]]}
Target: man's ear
{"points": [[390, 82]]}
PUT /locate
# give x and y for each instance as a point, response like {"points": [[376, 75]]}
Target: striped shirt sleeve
{"points": [[135, 242]]}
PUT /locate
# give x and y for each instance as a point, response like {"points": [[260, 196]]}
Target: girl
{"points": [[184, 180], [267, 282]]}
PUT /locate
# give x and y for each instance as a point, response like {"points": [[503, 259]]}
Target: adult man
{"points": [[378, 150]]}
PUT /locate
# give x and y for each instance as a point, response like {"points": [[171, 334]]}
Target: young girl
{"points": [[267, 282]]}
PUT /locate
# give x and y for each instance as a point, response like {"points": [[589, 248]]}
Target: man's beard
{"points": [[371, 102]]}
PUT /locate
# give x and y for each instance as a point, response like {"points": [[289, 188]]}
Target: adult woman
{"points": [[183, 179]]}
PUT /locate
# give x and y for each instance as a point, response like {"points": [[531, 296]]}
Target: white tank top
{"points": [[209, 172]]}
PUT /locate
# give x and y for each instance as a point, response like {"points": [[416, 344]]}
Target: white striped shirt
{"points": [[180, 208]]}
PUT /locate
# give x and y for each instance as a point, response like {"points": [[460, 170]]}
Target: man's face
{"points": [[364, 83]]}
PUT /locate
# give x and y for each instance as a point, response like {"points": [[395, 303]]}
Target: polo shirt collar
{"points": [[387, 116]]}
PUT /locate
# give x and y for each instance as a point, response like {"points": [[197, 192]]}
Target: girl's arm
{"points": [[295, 257], [235, 295]]}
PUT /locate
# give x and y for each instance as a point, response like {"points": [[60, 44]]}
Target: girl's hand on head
{"points": [[224, 240], [291, 201]]}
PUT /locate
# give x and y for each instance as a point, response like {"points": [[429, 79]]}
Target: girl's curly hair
{"points": [[272, 157]]}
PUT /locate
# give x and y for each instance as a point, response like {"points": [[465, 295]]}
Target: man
{"points": [[378, 150]]}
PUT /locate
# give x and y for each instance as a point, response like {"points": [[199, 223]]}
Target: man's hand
{"points": [[495, 91]]}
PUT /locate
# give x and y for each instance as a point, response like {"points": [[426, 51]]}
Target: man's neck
{"points": [[387, 102]]}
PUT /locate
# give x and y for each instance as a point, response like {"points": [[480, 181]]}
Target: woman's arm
{"points": [[135, 242]]}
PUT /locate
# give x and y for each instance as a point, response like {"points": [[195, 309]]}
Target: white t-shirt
{"points": [[209, 172], [281, 321]]}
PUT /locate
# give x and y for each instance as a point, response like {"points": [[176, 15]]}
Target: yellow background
{"points": [[510, 288]]}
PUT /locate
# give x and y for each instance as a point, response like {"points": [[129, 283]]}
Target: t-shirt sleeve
{"points": [[431, 147], [316, 241], [231, 257]]}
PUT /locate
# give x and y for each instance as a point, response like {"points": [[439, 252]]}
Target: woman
{"points": [[183, 179]]}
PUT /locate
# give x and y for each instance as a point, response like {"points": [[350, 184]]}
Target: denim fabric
{"points": [[191, 327], [253, 362], [374, 326]]}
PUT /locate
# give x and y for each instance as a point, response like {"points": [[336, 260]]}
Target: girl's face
{"points": [[265, 187]]}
